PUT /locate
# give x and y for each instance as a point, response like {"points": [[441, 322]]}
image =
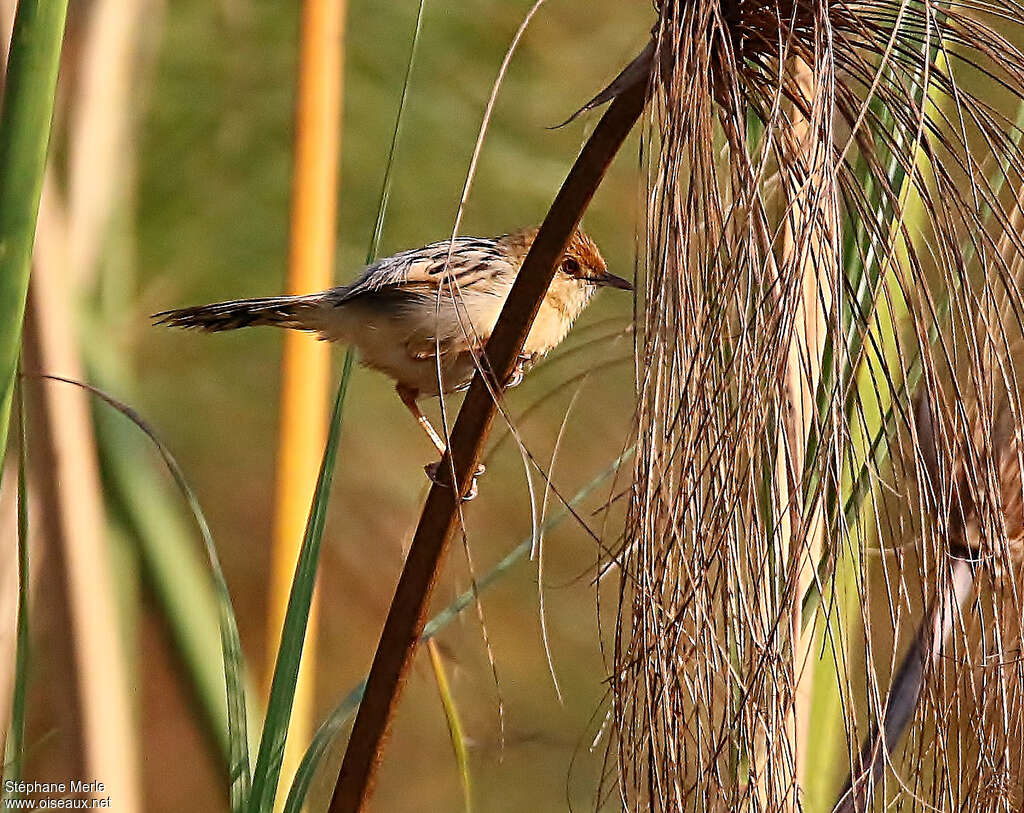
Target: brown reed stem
{"points": [[441, 513]]}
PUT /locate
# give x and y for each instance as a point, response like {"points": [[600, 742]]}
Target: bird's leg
{"points": [[408, 396]]}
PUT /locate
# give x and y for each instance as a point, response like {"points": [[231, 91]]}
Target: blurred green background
{"points": [[210, 222]]}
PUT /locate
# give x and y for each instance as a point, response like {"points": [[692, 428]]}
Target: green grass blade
{"points": [[24, 139], [16, 732], [286, 670], [336, 721], [275, 730], [238, 745], [385, 187], [323, 739], [174, 571]]}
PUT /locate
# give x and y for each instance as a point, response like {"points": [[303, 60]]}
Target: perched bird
{"points": [[426, 310]]}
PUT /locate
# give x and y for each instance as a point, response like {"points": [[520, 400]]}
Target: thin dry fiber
{"points": [[905, 138]]}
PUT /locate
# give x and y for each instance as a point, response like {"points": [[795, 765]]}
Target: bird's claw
{"points": [[517, 374], [433, 474]]}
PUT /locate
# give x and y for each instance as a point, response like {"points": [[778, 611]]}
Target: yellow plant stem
{"points": [[808, 257], [306, 363], [878, 379], [811, 238]]}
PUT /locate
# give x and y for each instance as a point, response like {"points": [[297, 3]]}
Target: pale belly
{"points": [[423, 374], [404, 347], [402, 344]]}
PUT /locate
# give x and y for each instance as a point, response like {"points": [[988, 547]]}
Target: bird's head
{"points": [[579, 273], [583, 262]]}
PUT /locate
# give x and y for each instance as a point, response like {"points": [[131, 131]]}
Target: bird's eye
{"points": [[570, 266]]}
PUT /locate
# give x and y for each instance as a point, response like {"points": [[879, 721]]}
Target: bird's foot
{"points": [[433, 474], [517, 374]]}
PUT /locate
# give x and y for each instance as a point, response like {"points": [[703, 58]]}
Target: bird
{"points": [[422, 316]]}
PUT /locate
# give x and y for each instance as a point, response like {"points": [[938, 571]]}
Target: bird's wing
{"points": [[439, 268]]}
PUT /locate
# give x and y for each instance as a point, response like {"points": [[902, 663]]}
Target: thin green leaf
{"points": [[16, 732], [24, 139], [267, 772], [327, 730], [173, 570], [238, 745], [282, 692], [320, 746], [385, 189]]}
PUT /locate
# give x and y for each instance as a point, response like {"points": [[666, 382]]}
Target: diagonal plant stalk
{"points": [[25, 118], [343, 711], [441, 513]]}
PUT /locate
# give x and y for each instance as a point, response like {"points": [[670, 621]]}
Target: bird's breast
{"points": [[560, 308]]}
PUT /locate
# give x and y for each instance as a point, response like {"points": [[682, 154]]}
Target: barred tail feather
{"points": [[296, 312]]}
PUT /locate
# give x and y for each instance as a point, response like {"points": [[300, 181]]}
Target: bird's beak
{"points": [[607, 280]]}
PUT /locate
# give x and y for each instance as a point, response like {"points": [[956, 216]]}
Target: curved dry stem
{"points": [[440, 514]]}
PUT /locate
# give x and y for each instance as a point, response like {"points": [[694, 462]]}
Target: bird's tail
{"points": [[296, 312]]}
